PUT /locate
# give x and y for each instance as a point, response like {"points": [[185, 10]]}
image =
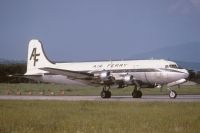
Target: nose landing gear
{"points": [[172, 93]]}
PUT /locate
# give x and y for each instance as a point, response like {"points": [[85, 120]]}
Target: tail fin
{"points": [[36, 58]]}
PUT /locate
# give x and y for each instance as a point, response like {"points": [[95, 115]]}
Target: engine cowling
{"points": [[105, 75], [128, 79]]}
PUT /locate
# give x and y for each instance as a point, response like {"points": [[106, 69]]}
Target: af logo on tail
{"points": [[34, 56]]}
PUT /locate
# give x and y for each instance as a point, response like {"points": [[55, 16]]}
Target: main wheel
{"points": [[137, 94], [108, 94], [134, 94], [105, 94], [172, 94]]}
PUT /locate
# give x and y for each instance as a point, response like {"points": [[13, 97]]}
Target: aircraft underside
{"points": [[105, 93]]}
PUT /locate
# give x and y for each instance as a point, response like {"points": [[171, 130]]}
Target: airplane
{"points": [[138, 73]]}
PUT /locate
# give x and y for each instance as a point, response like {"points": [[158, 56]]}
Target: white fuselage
{"points": [[147, 71]]}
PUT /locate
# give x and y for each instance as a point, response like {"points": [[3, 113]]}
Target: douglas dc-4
{"points": [[139, 73]]}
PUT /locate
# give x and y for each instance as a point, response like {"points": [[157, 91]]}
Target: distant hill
{"points": [[189, 65], [187, 55], [189, 52]]}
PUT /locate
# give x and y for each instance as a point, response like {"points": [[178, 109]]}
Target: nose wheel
{"points": [[172, 94]]}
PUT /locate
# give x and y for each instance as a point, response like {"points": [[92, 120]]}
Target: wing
{"points": [[93, 78], [83, 77]]}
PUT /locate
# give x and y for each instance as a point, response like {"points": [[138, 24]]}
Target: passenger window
{"points": [[166, 66]]}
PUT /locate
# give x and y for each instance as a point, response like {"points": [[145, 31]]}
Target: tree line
{"points": [[6, 70]]}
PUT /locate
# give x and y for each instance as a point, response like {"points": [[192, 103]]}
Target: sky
{"points": [[78, 30]]}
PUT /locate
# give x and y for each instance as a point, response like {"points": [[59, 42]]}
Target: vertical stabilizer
{"points": [[36, 58]]}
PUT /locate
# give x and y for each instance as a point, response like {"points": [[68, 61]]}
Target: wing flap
{"points": [[69, 73]]}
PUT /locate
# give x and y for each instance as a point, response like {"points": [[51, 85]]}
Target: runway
{"points": [[147, 98]]}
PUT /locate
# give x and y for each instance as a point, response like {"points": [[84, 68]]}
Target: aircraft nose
{"points": [[186, 73]]}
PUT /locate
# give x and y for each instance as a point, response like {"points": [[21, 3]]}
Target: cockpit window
{"points": [[166, 66], [180, 67], [173, 66]]}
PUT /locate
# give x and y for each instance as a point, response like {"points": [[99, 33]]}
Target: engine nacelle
{"points": [[128, 79], [105, 75]]}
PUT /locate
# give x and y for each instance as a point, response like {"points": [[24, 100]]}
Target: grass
{"points": [[86, 90], [98, 117]]}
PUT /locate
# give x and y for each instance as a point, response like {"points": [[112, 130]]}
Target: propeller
{"points": [[194, 76]]}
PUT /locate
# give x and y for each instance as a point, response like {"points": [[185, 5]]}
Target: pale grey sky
{"points": [[96, 29]]}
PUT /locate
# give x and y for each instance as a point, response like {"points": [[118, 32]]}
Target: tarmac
{"points": [[146, 98]]}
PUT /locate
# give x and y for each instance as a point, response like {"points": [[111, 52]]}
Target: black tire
{"points": [[108, 93], [172, 94], [137, 94], [134, 94], [103, 94]]}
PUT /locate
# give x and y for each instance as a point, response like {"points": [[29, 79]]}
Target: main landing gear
{"points": [[137, 93], [172, 93], [105, 93]]}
